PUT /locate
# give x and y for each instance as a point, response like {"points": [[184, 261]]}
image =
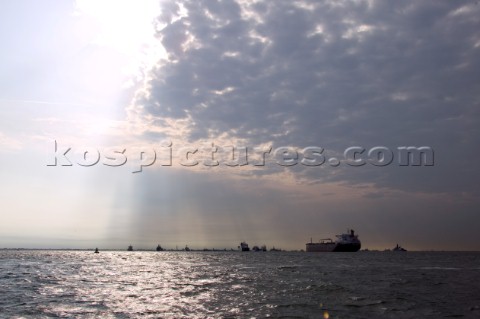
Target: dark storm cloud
{"points": [[329, 74]]}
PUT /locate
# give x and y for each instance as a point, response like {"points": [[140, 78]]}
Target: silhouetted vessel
{"points": [[244, 246], [130, 248], [399, 248], [348, 242], [262, 248], [186, 248], [159, 248], [96, 251]]}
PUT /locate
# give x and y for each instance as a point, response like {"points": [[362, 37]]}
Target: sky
{"points": [[127, 122]]}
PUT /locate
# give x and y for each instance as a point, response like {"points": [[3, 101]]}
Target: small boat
{"points": [[159, 248], [244, 246], [399, 248], [130, 248], [186, 248], [96, 251], [262, 248]]}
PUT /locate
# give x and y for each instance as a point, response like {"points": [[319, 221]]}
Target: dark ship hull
{"points": [[347, 247], [326, 247]]}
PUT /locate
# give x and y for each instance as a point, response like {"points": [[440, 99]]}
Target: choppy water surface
{"points": [[75, 284]]}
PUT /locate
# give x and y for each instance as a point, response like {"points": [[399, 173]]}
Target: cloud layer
{"points": [[329, 74]]}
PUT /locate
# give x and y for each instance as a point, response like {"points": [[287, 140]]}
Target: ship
{"points": [[262, 248], [160, 248], [347, 242], [130, 248], [399, 248], [244, 246]]}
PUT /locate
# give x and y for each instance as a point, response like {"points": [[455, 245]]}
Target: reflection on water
{"points": [[235, 284]]}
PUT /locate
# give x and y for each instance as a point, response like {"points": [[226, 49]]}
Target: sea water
{"points": [[81, 284]]}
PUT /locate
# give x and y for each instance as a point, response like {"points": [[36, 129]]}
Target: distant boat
{"points": [[262, 248], [244, 246], [186, 248], [348, 242], [399, 248], [96, 251], [159, 248], [130, 248]]}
